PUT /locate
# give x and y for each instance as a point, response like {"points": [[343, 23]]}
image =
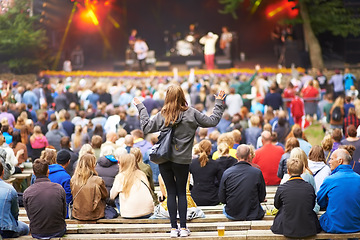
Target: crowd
{"points": [[89, 144]]}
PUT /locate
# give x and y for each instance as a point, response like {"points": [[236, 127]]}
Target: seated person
{"points": [[242, 188], [88, 190], [295, 200], [58, 174], [133, 188], [10, 225], [339, 194], [206, 175], [47, 218]]}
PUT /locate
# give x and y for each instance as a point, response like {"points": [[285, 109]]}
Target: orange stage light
{"points": [[284, 7]]}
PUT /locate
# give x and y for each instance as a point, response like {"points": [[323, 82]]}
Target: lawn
{"points": [[314, 134]]}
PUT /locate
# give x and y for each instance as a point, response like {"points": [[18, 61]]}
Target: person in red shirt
{"points": [[297, 109], [310, 95], [268, 158], [289, 93]]}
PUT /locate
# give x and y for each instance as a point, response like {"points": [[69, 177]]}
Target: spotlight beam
{"points": [[58, 55]]}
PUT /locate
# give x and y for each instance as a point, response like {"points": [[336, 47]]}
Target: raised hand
{"points": [[221, 95]]}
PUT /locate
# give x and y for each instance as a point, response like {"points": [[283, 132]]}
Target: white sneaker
{"points": [[184, 232], [174, 233]]}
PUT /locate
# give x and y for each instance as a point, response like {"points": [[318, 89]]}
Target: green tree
{"points": [[317, 16], [23, 45]]}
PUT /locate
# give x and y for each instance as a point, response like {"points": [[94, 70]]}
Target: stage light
{"points": [[284, 7], [93, 17]]}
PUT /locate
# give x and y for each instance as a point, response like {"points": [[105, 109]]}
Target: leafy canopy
{"points": [[325, 15], [22, 44]]}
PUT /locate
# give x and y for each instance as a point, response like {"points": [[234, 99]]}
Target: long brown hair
{"points": [[290, 144], [316, 154], [84, 169], [205, 149], [175, 103]]}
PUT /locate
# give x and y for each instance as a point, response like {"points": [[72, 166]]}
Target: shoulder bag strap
{"points": [[328, 156], [79, 190], [318, 171], [146, 186]]}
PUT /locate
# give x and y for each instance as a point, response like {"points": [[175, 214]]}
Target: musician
{"points": [[132, 39], [141, 49], [209, 41], [225, 41]]}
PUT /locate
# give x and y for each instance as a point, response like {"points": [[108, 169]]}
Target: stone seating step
{"points": [[212, 235], [241, 235], [151, 228]]}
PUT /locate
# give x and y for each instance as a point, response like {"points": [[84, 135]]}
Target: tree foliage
{"points": [[325, 16], [332, 16], [23, 45]]}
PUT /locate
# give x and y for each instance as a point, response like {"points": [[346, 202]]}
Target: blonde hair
{"points": [[205, 150], [86, 148], [175, 103], [295, 166], [236, 135], [226, 137], [137, 153], [129, 171], [37, 130], [77, 136], [300, 154], [327, 143], [223, 149], [339, 102], [49, 155], [84, 169], [255, 121]]}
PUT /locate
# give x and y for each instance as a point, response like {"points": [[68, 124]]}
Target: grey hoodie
{"points": [[186, 126]]}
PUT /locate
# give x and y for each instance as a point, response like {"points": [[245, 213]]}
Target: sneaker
{"points": [[174, 233], [184, 232]]}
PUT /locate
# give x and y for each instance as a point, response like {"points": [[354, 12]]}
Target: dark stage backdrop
{"points": [[152, 17]]}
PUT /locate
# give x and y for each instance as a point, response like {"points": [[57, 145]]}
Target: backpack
{"points": [[6, 166], [336, 114]]}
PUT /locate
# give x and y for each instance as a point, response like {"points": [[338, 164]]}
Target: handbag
{"points": [[161, 151]]}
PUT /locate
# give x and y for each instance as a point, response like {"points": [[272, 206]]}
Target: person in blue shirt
{"points": [[339, 194], [10, 226], [58, 174]]}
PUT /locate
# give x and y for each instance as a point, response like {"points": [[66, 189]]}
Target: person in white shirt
{"points": [[141, 49], [233, 102], [209, 42]]}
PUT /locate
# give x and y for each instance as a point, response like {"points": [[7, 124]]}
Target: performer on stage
{"points": [[209, 42], [132, 39], [225, 42], [141, 49]]}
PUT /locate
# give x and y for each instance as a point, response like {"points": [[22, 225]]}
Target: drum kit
{"points": [[188, 46]]}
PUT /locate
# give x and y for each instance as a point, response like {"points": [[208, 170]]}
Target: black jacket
{"points": [[45, 205], [107, 170], [206, 182], [295, 200], [242, 189]]}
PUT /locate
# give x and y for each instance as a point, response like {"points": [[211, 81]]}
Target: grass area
{"points": [[314, 134]]}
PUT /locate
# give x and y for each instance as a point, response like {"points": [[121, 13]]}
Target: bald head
{"points": [[243, 152], [266, 137], [339, 157]]}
